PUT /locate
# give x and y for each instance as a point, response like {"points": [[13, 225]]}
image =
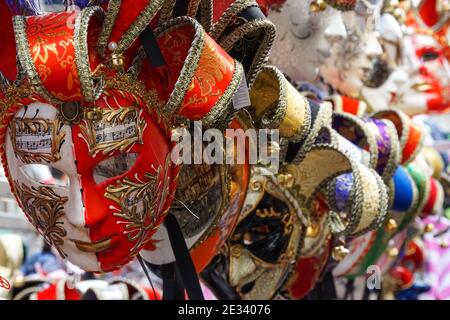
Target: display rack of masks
{"points": [[351, 205]]}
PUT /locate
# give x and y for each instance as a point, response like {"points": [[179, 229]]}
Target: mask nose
{"points": [[373, 47], [74, 207], [336, 28], [400, 77]]}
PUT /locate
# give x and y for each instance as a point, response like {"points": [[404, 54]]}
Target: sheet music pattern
{"points": [[36, 140], [119, 129]]}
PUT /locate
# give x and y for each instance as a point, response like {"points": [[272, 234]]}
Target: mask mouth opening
{"points": [[45, 175]]}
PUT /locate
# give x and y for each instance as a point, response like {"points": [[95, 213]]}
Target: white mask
{"points": [[303, 38]]}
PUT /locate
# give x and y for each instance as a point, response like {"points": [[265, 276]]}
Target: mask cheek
{"points": [[45, 208]]}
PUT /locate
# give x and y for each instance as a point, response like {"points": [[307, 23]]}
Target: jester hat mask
{"points": [[85, 146]]}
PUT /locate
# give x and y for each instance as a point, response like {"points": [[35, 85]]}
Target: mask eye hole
{"points": [[45, 174], [114, 166], [430, 56]]}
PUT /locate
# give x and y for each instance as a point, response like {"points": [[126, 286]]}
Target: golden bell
{"points": [[391, 225], [318, 6], [428, 228], [117, 61], [392, 252], [313, 230], [444, 244], [286, 180], [340, 252], [19, 281]]}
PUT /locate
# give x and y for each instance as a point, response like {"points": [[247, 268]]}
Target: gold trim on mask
{"points": [[132, 33], [26, 61], [38, 128], [87, 81], [137, 204], [277, 104], [244, 266], [45, 209], [99, 139], [93, 247], [242, 29], [166, 12]]}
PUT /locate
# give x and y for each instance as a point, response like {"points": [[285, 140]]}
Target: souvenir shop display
{"points": [[229, 150]]}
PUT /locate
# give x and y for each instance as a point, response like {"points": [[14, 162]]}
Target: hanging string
{"points": [[144, 267], [187, 208]]}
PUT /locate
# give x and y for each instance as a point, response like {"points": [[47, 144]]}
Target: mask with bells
{"points": [[263, 246], [103, 133]]}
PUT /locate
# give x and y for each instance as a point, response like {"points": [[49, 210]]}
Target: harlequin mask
{"points": [[102, 135], [303, 38], [264, 244]]}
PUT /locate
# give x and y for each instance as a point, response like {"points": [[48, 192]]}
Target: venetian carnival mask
{"points": [[119, 160], [100, 136], [423, 54], [265, 242], [350, 60], [388, 74], [428, 85], [304, 35]]}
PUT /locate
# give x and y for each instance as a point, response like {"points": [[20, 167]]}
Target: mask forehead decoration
{"points": [[86, 137]]}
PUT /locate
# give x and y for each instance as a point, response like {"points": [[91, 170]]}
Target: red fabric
{"points": [[350, 105], [212, 77], [219, 8], [51, 293], [432, 197], [52, 51], [306, 274], [8, 44], [265, 5], [209, 81], [413, 142], [414, 258], [428, 12]]}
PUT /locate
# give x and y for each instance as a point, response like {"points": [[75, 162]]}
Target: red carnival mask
{"points": [[86, 147]]}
